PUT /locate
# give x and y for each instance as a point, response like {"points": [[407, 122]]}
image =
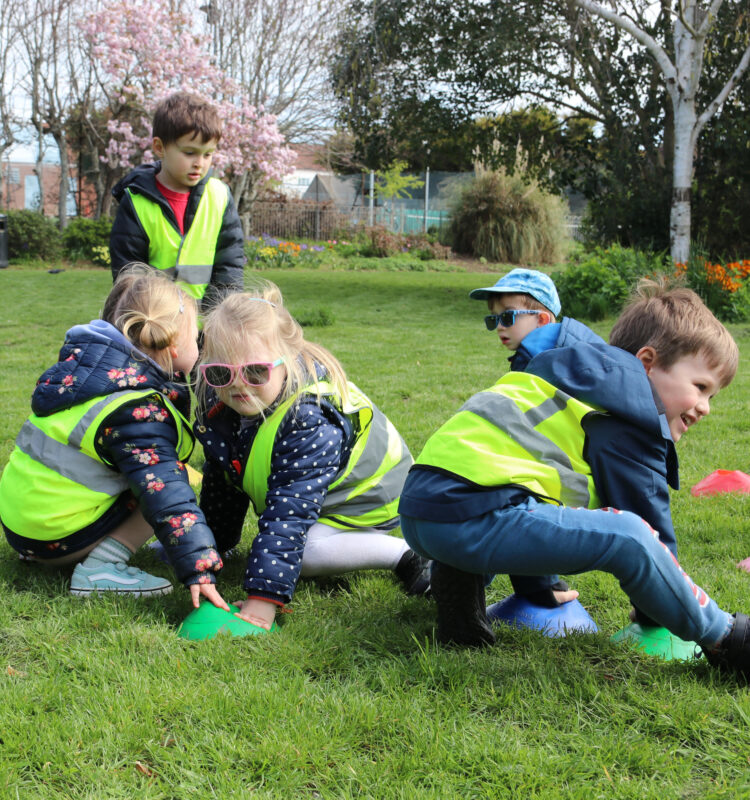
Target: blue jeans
{"points": [[536, 538]]}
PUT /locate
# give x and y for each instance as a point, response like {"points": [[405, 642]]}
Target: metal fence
{"points": [[308, 219], [303, 219], [410, 220], [574, 228], [298, 220]]}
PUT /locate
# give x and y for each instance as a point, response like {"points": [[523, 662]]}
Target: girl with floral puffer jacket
{"points": [[99, 466]]}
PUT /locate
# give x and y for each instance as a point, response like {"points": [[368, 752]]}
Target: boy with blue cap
{"points": [[567, 467], [524, 306], [521, 304]]}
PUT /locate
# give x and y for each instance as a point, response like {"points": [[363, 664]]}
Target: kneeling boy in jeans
{"points": [[564, 468]]}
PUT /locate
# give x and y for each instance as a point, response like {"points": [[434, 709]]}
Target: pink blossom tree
{"points": [[144, 52]]}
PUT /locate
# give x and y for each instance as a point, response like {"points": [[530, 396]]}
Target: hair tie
{"points": [[263, 300]]}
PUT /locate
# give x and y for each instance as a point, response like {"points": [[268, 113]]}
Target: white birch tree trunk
{"points": [[682, 89], [692, 24]]}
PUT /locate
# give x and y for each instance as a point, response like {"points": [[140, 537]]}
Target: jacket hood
{"points": [[142, 177], [566, 333], [606, 377], [97, 360]]}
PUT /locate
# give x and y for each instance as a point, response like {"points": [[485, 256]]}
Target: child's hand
{"points": [[744, 564], [258, 612], [565, 597], [209, 591]]}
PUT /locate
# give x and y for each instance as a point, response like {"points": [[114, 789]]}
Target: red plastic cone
{"points": [[722, 480]]}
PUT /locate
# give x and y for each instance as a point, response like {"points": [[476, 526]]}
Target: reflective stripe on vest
{"points": [[188, 258], [55, 483], [367, 491], [522, 431]]}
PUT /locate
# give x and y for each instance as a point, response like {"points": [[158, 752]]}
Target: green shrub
{"points": [[506, 219], [629, 264], [380, 243], [32, 235], [88, 240], [724, 288], [348, 250], [388, 264], [426, 246], [598, 282], [267, 252], [590, 290]]}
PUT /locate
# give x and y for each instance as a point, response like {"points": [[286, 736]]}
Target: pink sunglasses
{"points": [[253, 373]]}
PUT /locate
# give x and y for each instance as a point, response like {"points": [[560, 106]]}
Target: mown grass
{"points": [[353, 698]]}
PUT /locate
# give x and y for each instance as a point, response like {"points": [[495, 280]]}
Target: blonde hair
{"points": [[149, 309], [676, 323], [260, 315]]}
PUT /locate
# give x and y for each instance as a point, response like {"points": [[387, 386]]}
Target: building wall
{"points": [[19, 189]]}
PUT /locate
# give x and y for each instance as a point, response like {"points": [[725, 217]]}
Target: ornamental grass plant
{"points": [[353, 697], [506, 218]]}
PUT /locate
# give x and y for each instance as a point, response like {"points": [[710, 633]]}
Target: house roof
{"points": [[328, 187], [309, 156]]}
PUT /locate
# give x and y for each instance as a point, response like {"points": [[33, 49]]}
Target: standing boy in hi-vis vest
{"points": [[175, 217], [529, 477]]}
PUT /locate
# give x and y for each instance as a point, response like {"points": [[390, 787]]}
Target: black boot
{"points": [[733, 653], [414, 573], [462, 613]]}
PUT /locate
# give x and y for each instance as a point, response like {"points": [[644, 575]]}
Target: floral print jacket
{"points": [[139, 439], [312, 446]]}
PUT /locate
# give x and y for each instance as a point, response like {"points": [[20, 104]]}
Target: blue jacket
{"points": [[630, 449], [139, 439], [298, 484], [128, 241]]}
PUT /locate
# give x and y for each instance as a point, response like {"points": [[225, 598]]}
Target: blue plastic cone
{"points": [[657, 642], [519, 612]]}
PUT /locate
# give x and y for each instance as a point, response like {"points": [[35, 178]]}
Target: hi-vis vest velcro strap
{"points": [[522, 431], [189, 258], [367, 490], [55, 482]]}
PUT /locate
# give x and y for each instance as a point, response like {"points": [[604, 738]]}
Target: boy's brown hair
{"points": [[182, 113], [677, 324]]}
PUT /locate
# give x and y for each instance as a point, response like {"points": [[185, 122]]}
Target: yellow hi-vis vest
{"points": [[523, 432], [366, 493], [55, 483], [189, 258]]}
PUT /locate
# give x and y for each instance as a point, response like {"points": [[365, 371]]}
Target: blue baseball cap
{"points": [[524, 281]]}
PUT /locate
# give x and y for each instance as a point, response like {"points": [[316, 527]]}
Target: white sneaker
{"points": [[116, 577]]}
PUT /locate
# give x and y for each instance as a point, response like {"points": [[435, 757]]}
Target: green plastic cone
{"points": [[657, 642], [208, 621]]}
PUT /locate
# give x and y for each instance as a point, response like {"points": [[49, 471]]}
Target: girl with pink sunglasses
{"points": [[282, 428]]}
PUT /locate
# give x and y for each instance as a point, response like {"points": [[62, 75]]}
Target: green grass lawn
{"points": [[353, 698]]}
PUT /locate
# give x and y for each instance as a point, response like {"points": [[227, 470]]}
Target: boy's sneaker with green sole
{"points": [[116, 577]]}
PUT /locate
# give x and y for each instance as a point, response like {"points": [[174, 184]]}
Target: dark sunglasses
{"points": [[505, 318], [254, 373]]}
